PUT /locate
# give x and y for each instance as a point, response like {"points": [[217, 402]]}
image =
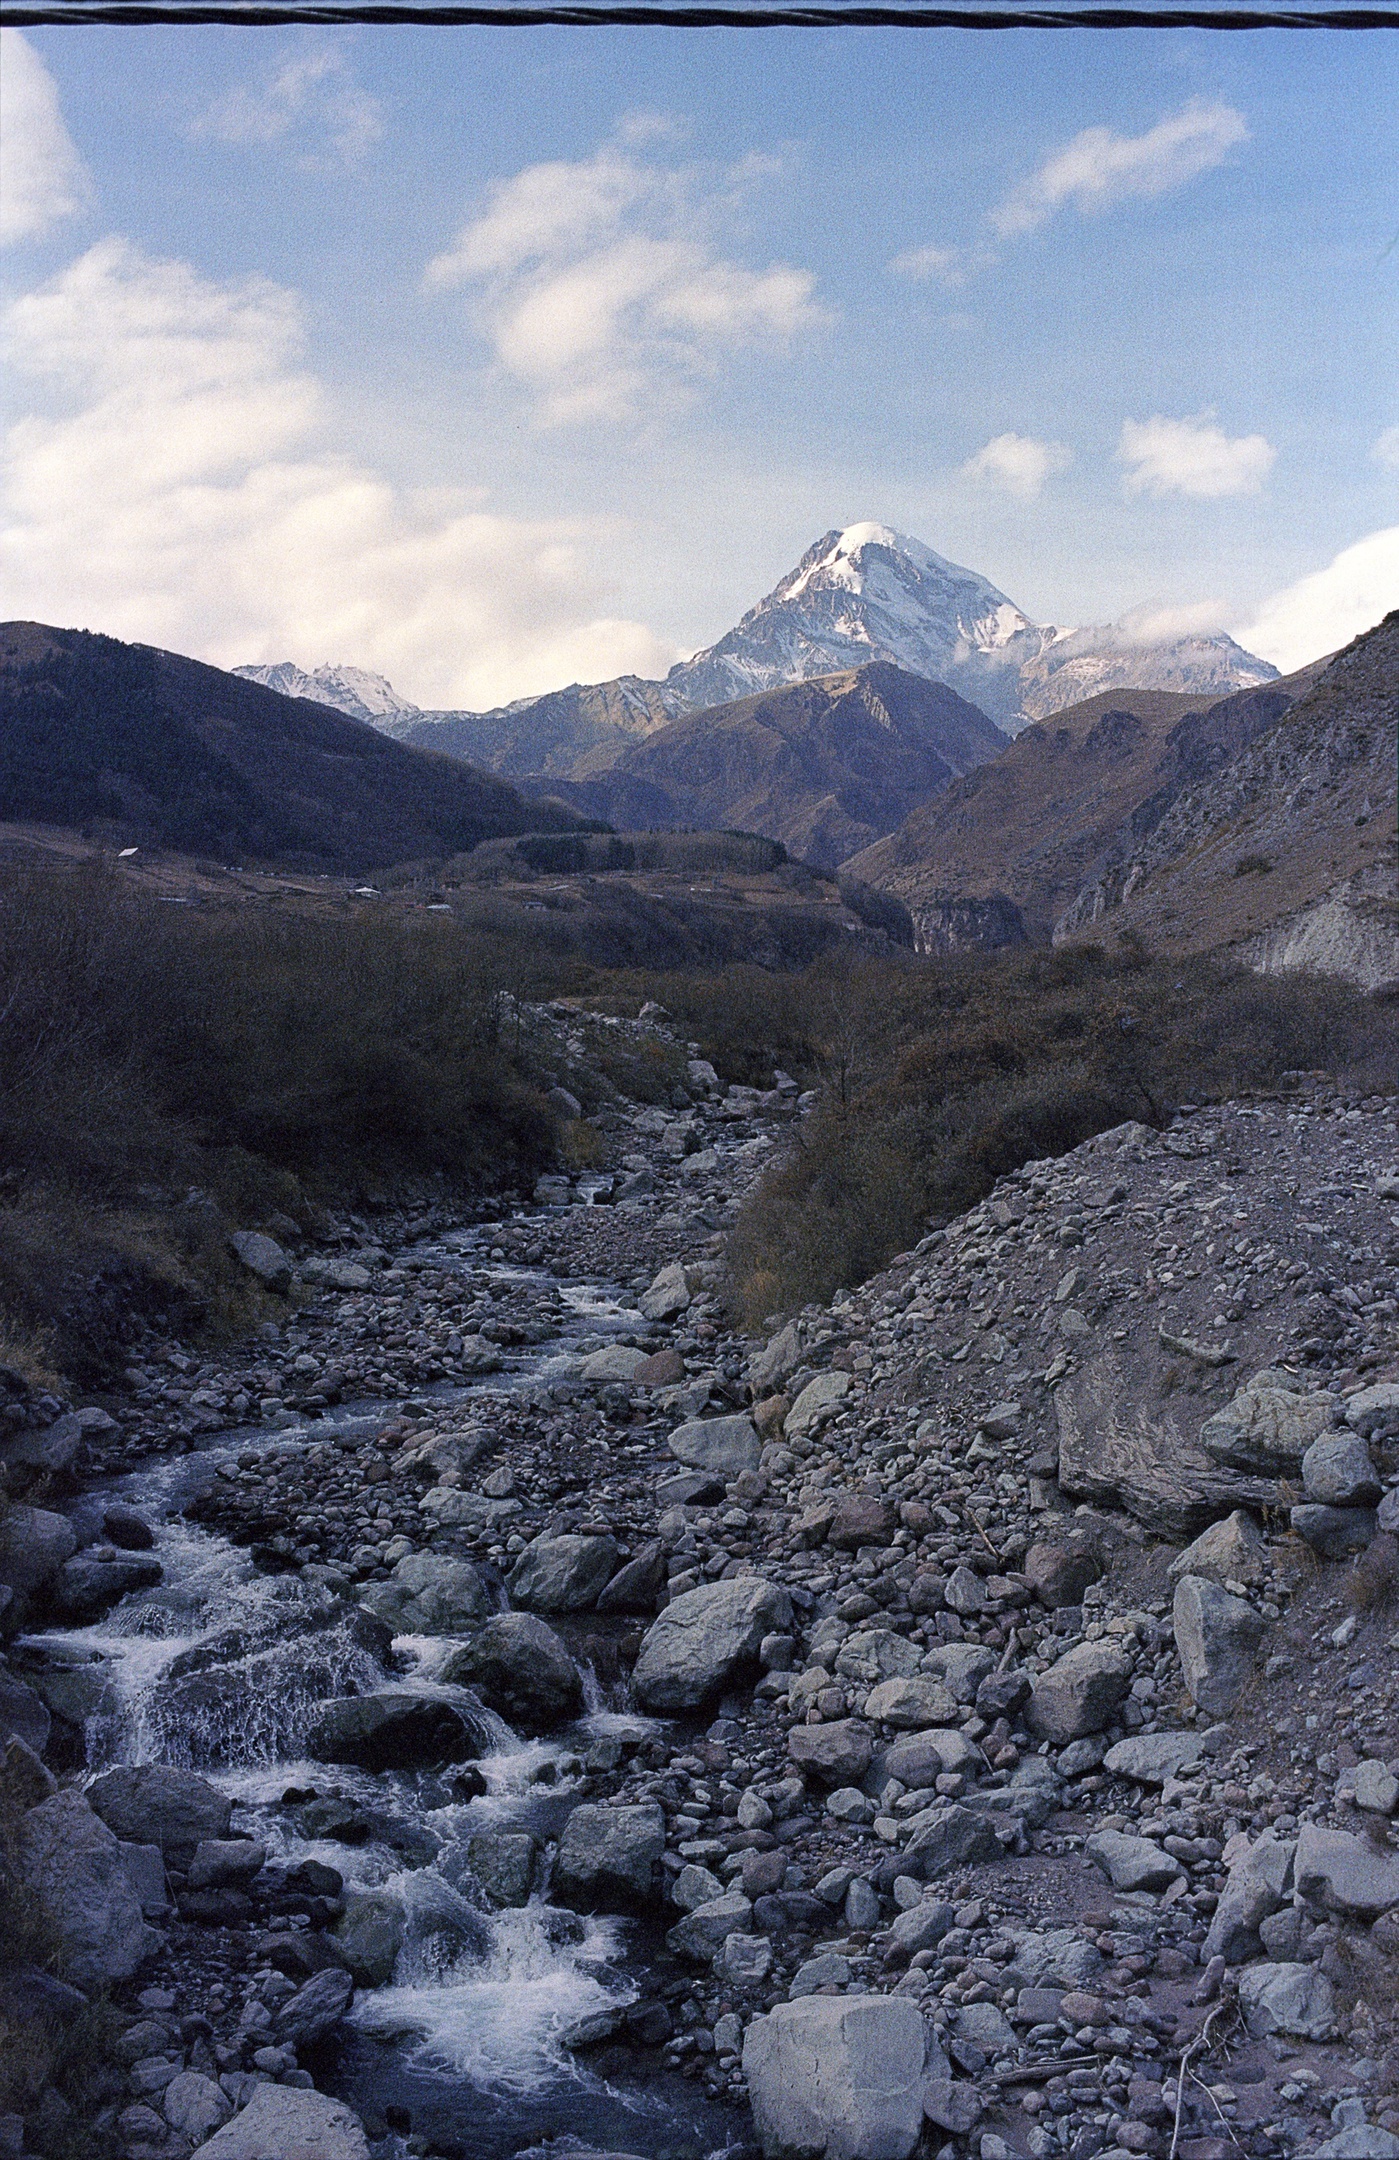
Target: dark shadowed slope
{"points": [[138, 745]]}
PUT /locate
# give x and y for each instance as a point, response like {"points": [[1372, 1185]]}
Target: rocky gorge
{"points": [[504, 1711]]}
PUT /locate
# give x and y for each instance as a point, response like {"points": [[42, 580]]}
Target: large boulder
{"points": [[1079, 1693], [1217, 1635], [34, 1543], [1124, 1441], [1345, 1874], [838, 2077], [616, 1364], [636, 1585], [725, 1446], [262, 1256], [1229, 1551], [608, 1858], [1334, 1533], [1337, 1472], [519, 1667], [369, 1935], [430, 1594], [155, 1805], [315, 2009], [281, 2122], [1267, 1428], [668, 1295], [84, 1589], [1292, 1999], [706, 1639], [562, 1574], [393, 1729], [1258, 1883], [72, 1865], [23, 1714]]}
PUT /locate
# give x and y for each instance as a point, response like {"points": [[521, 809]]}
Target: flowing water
{"points": [[218, 1668]]}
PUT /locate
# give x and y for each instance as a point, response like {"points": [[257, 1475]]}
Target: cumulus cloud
{"points": [[1155, 623], [1099, 168], [42, 178], [312, 96], [947, 264], [171, 482], [1326, 610], [1191, 457], [1386, 448], [601, 282], [1019, 463]]}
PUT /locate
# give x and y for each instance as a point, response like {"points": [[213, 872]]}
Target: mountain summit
{"points": [[352, 690]]}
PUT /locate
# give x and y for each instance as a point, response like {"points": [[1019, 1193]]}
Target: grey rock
{"points": [[282, 2122], [128, 1530], [1376, 1787], [195, 2105], [262, 1256], [874, 1654], [701, 1935], [837, 2077], [1337, 1472], [155, 1805], [503, 1863], [1217, 1636], [837, 1753], [638, 1583], [1374, 1411], [1292, 1999], [1229, 1551], [24, 1780], [1079, 1693], [562, 1574], [430, 1594], [961, 1667], [922, 1927], [1345, 1874], [986, 2027], [911, 1704], [668, 1295], [1120, 1443], [1152, 1758], [1131, 1863], [520, 1668], [23, 1714], [949, 1836], [1058, 1571], [34, 1544], [608, 1857], [695, 1886], [743, 1961], [71, 1864], [145, 1871], [393, 1729], [918, 1759], [777, 1360], [616, 1362], [952, 2104], [1334, 1533], [706, 1639], [220, 1863], [315, 2009], [84, 1589], [1267, 1428], [370, 1933], [725, 1446], [1360, 2141], [816, 1400], [827, 1969], [1258, 1883]]}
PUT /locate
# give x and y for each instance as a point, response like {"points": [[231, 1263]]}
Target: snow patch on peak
{"points": [[351, 690]]}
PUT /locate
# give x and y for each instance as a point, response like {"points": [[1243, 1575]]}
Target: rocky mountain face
{"points": [[131, 744], [1287, 848], [1016, 851], [859, 595], [825, 766], [349, 690]]}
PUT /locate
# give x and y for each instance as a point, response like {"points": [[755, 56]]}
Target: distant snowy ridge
{"points": [[349, 690]]}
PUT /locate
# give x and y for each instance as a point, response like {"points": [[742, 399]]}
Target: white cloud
{"points": [[601, 283], [1386, 448], [1326, 610], [1019, 463], [1191, 457], [171, 483], [1100, 168], [312, 94], [1158, 623], [42, 178], [947, 264]]}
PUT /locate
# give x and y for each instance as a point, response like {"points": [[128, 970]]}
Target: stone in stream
{"points": [[430, 1594], [24, 1780], [23, 1716], [562, 1574], [608, 1858], [155, 1805], [369, 1935], [34, 1544], [616, 1362], [282, 2122], [502, 1862], [392, 1729], [839, 2077], [219, 1863], [725, 1446], [519, 1667], [315, 2009], [84, 1589], [128, 1530], [1217, 1635], [1079, 1694], [71, 1864], [704, 1640]]}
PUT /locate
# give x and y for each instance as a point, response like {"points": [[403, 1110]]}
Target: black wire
{"points": [[581, 15]]}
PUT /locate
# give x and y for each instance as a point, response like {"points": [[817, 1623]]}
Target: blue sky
{"points": [[494, 360]]}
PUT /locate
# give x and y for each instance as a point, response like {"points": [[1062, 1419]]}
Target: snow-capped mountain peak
{"points": [[352, 690]]}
